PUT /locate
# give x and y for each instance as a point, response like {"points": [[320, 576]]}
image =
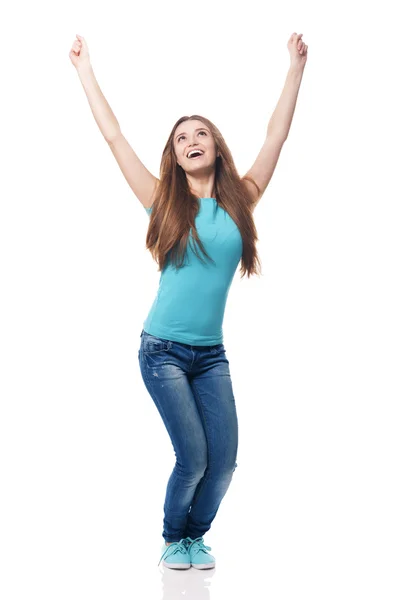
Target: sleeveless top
{"points": [[190, 303]]}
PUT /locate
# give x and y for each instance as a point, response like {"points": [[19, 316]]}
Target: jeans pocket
{"points": [[152, 344], [217, 349]]}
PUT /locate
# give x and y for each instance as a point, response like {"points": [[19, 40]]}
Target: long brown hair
{"points": [[175, 207]]}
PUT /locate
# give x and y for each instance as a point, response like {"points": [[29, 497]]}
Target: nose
{"points": [[191, 147], [194, 137]]}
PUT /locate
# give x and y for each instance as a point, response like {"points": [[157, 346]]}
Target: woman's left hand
{"points": [[297, 50]]}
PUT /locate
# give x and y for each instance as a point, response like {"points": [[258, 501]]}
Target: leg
{"points": [[216, 403], [164, 375]]}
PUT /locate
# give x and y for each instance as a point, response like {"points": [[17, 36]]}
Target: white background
{"points": [[313, 343]]}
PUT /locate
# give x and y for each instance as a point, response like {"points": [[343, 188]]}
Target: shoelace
{"points": [[176, 547], [197, 545]]}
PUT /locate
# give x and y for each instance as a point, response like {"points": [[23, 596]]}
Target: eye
{"points": [[181, 136]]}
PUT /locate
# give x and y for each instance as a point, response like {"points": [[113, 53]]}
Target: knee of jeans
{"points": [[199, 469], [194, 469]]}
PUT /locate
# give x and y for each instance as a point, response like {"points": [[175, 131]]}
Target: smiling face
{"points": [[191, 135]]}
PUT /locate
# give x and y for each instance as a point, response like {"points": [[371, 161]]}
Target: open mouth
{"points": [[195, 154]]}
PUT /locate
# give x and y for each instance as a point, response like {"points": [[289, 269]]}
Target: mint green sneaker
{"points": [[175, 556], [199, 557]]}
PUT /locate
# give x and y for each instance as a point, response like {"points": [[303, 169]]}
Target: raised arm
{"points": [[139, 178], [280, 122]]}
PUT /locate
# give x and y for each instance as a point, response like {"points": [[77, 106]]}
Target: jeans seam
{"points": [[205, 477], [157, 404]]}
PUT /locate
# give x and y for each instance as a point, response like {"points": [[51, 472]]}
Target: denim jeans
{"points": [[192, 389]]}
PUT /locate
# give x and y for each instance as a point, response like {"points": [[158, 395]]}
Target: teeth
{"points": [[193, 151]]}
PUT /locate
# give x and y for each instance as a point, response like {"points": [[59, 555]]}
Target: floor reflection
{"points": [[192, 583]]}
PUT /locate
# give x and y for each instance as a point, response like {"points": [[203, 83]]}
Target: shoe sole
{"points": [[206, 566], [176, 565]]}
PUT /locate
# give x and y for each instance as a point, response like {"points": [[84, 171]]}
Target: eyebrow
{"points": [[198, 129]]}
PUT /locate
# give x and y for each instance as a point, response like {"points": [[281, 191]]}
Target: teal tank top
{"points": [[190, 303]]}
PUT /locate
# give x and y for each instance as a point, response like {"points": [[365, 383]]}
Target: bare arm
{"points": [[140, 180], [280, 122], [104, 116]]}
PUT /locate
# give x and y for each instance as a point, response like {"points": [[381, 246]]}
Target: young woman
{"points": [[201, 226]]}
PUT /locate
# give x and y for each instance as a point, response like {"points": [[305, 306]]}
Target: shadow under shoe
{"points": [[176, 555]]}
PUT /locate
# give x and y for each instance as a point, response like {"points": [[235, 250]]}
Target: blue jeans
{"points": [[192, 389]]}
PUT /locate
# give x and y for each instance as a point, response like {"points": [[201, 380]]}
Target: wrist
{"points": [[84, 69], [296, 68]]}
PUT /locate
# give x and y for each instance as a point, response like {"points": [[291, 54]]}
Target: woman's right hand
{"points": [[79, 53]]}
